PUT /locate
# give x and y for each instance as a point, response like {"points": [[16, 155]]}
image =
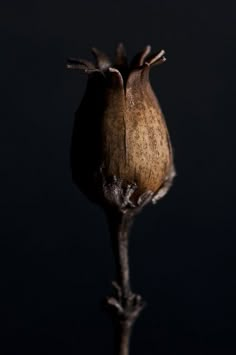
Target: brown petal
{"points": [[139, 59], [146, 134], [113, 127], [156, 58], [74, 63], [121, 58], [102, 60]]}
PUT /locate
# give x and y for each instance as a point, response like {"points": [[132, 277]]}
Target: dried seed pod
{"points": [[121, 153]]}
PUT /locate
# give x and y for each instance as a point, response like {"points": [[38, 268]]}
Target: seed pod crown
{"points": [[121, 153]]}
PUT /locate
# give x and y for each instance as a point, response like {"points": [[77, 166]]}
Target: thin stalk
{"points": [[126, 304]]}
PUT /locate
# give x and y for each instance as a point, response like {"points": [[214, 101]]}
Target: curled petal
{"points": [[74, 63], [116, 78], [121, 58], [156, 58], [139, 59], [102, 60]]}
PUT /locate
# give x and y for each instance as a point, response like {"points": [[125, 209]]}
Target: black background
{"points": [[55, 258]]}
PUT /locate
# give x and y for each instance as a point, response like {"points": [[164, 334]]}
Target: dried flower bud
{"points": [[121, 153]]}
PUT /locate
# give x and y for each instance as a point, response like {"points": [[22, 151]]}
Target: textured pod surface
{"points": [[120, 136], [136, 144]]}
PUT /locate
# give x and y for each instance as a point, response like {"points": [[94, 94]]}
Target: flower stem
{"points": [[126, 304]]}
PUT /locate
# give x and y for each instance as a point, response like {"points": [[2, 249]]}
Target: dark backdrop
{"points": [[55, 258]]}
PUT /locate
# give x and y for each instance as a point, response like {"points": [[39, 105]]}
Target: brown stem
{"points": [[122, 237], [124, 339], [126, 304]]}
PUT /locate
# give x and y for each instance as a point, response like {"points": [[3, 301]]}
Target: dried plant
{"points": [[121, 158]]}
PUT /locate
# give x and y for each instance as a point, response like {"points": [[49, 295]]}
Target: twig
{"points": [[125, 303]]}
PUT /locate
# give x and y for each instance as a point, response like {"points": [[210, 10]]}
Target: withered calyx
{"points": [[121, 153]]}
